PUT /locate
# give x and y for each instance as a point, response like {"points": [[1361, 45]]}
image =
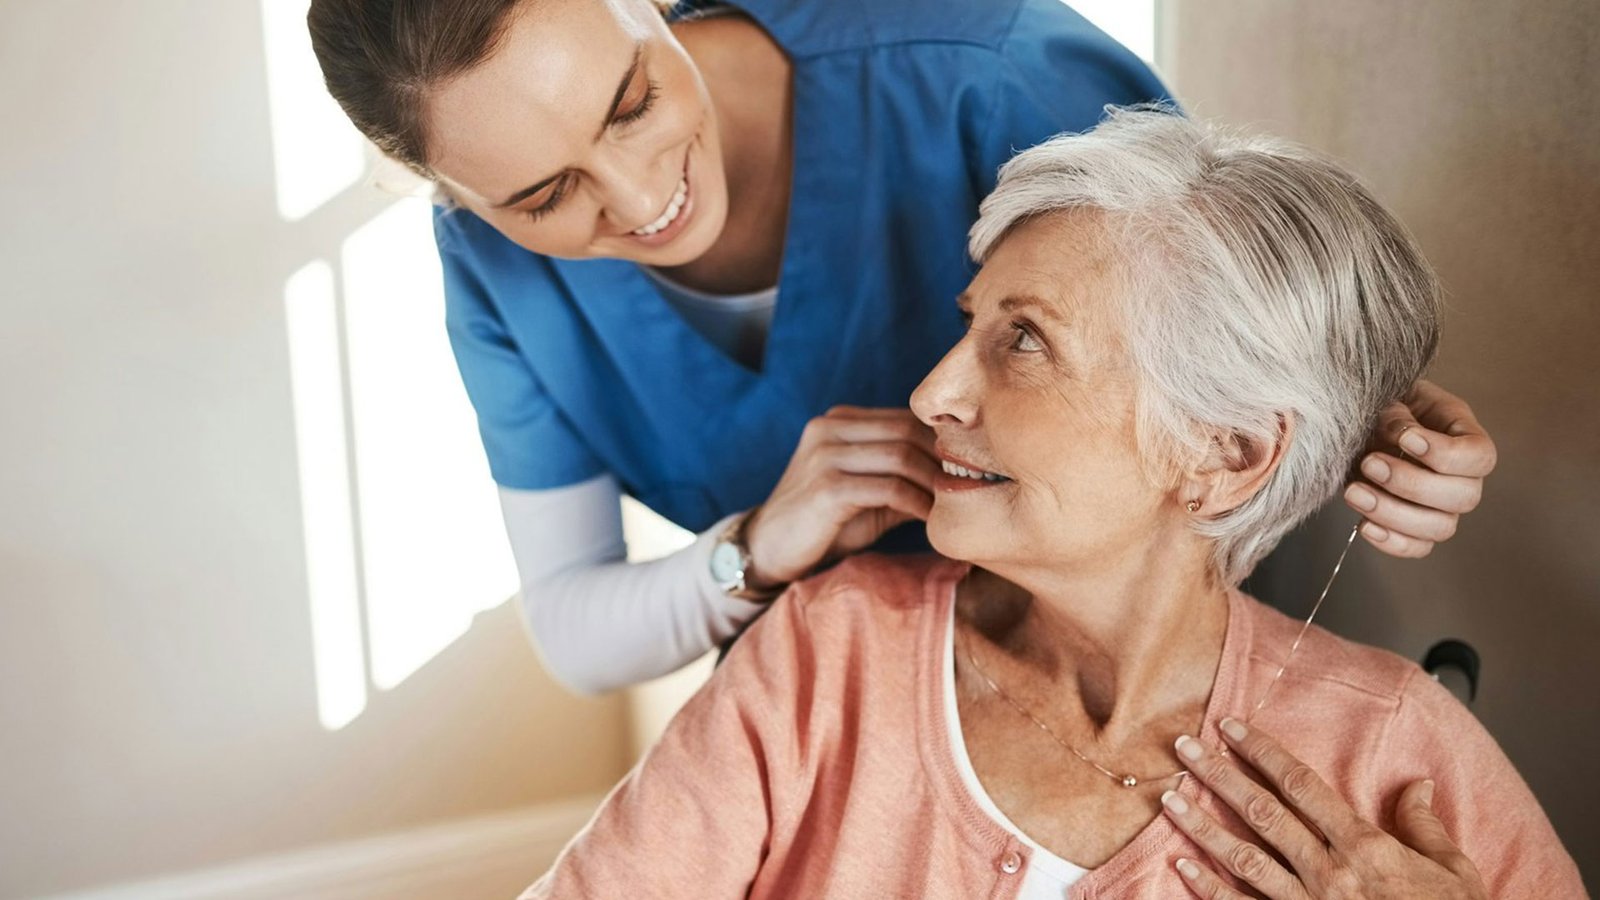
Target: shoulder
{"points": [[1327, 679], [1061, 64], [872, 604], [481, 264], [462, 236], [834, 26], [1395, 723], [1022, 31], [878, 583], [852, 642], [454, 229], [1337, 664], [1371, 723]]}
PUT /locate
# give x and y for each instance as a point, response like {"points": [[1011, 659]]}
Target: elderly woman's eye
{"points": [[1025, 342]]}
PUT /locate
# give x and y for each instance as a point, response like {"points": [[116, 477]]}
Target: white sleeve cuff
{"points": [[735, 611]]}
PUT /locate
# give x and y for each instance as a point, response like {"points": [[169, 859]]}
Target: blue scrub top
{"points": [[903, 112]]}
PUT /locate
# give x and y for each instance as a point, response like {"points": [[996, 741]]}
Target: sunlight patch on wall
{"points": [[312, 311], [316, 151], [434, 550]]}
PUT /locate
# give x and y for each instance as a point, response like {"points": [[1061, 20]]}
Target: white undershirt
{"points": [[603, 623], [1048, 876], [600, 622], [736, 323]]}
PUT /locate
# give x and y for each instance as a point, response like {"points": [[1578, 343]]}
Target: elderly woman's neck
{"points": [[1134, 640]]}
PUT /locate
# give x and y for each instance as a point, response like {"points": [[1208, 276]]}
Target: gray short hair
{"points": [[1264, 281]]}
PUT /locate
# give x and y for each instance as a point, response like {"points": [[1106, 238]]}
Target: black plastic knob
{"points": [[1456, 665]]}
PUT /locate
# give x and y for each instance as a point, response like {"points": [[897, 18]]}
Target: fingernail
{"points": [[1414, 443], [1188, 869], [1376, 469], [1174, 801], [1189, 748], [1361, 498], [1375, 532], [1427, 793], [1235, 729]]}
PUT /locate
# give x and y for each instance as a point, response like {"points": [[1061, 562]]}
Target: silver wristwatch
{"points": [[730, 560]]}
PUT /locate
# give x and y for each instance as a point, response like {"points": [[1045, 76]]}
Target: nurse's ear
{"points": [[1235, 468], [443, 198], [392, 176]]}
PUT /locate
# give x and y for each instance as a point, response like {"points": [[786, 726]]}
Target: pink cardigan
{"points": [[817, 763]]}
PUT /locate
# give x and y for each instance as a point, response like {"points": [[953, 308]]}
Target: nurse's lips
{"points": [[956, 474]]}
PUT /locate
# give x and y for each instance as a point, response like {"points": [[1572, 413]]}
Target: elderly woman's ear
{"points": [[1237, 467]]}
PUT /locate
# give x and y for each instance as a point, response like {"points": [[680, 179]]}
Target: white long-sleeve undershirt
{"points": [[600, 622]]}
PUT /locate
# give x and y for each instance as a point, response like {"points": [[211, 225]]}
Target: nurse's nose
{"points": [[631, 197], [949, 395]]}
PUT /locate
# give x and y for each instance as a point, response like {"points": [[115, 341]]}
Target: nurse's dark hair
{"points": [[381, 58]]}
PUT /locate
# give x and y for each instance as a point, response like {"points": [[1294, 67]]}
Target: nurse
{"points": [[703, 256]]}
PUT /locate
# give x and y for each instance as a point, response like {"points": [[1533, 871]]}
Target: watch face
{"points": [[727, 566]]}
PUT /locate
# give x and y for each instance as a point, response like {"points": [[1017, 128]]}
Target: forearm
{"points": [[607, 626], [600, 622]]}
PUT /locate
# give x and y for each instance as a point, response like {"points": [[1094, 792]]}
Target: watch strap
{"points": [[735, 534]]}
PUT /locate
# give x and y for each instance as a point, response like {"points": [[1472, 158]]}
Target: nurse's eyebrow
{"points": [[616, 101]]}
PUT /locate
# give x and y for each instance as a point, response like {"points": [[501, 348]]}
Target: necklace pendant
{"points": [[1129, 781]]}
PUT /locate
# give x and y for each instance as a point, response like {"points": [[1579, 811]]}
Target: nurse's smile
{"points": [[675, 218]]}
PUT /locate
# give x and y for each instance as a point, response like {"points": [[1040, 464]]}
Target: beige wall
{"points": [[1479, 123], [157, 697]]}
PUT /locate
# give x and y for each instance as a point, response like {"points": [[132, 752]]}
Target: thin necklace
{"points": [[1129, 780]]}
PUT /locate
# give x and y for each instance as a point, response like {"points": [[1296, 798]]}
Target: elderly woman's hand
{"points": [[1410, 507], [1331, 852]]}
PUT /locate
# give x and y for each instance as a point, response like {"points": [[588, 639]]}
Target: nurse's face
{"points": [[1038, 401], [587, 133]]}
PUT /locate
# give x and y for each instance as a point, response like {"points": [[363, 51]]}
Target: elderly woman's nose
{"points": [[946, 396]]}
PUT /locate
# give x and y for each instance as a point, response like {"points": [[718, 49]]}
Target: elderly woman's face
{"points": [[1037, 402]]}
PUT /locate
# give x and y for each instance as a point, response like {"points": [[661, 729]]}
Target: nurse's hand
{"points": [[1415, 501], [1323, 848], [857, 473]]}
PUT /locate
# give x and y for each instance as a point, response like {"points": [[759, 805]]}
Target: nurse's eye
{"points": [[558, 192], [640, 109]]}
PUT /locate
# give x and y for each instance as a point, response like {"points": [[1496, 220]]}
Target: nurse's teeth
{"points": [[673, 208]]}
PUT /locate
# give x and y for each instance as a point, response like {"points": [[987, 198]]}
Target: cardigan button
{"points": [[1011, 863]]}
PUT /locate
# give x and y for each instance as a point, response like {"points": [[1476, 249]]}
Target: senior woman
{"points": [[1178, 342]]}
